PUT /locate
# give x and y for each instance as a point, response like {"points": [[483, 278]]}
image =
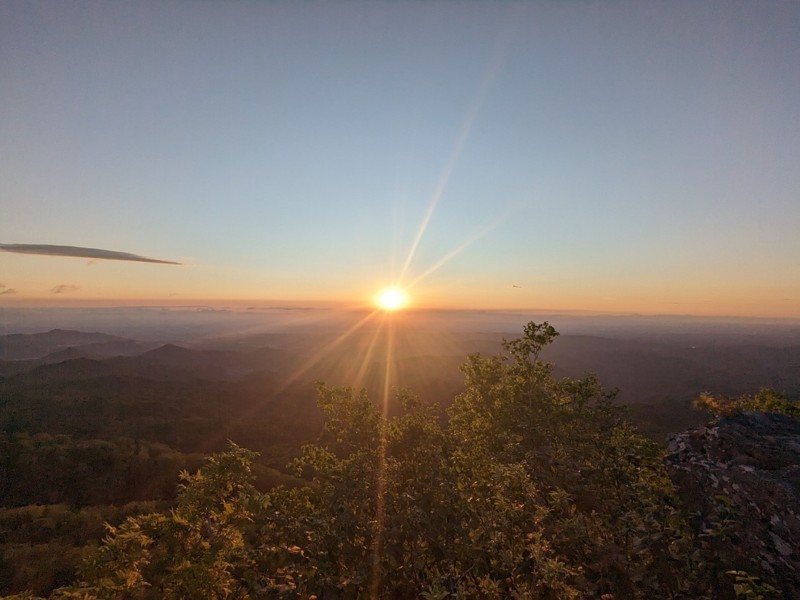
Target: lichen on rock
{"points": [[741, 474]]}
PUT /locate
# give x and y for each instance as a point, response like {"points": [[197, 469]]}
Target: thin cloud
{"points": [[79, 252], [64, 288], [7, 290]]}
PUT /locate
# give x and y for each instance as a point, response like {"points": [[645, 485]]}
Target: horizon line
{"points": [[252, 306]]}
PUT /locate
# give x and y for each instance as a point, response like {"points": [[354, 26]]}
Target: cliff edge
{"points": [[741, 473]]}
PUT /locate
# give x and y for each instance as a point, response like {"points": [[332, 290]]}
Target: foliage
{"points": [[43, 545], [749, 587], [535, 487], [190, 552], [52, 469], [766, 400]]}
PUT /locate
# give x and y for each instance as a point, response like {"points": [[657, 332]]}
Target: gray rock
{"points": [[741, 473]]}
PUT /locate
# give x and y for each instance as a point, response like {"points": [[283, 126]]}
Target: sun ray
{"points": [[487, 79], [367, 356], [441, 185], [304, 368], [321, 353], [380, 488], [461, 247]]}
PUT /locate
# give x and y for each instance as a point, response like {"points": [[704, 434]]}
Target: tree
{"points": [[536, 487], [195, 551], [608, 505], [766, 400]]}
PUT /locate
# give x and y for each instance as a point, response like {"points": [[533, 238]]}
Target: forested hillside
{"points": [[532, 486]]}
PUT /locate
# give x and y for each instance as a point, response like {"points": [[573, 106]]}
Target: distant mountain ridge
{"points": [[21, 353], [658, 379], [26, 346], [134, 359]]}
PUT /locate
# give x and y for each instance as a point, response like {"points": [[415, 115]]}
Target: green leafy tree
{"points": [[195, 551], [766, 400], [535, 487], [608, 505]]}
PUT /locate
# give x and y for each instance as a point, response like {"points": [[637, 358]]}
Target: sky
{"points": [[632, 157]]}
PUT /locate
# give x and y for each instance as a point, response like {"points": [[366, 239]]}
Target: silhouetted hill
{"points": [[659, 379], [70, 370], [70, 353], [20, 346], [9, 368], [97, 350], [110, 419], [211, 364], [172, 354], [121, 347], [264, 397], [167, 362]]}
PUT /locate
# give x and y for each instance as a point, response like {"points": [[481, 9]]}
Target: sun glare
{"points": [[391, 299]]}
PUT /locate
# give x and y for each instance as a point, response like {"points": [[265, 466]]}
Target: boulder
{"points": [[741, 475]]}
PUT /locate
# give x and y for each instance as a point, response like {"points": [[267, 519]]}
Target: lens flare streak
{"points": [[460, 248], [362, 371], [489, 75], [311, 362], [380, 488]]}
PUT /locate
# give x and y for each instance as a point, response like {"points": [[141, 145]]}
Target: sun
{"points": [[391, 299]]}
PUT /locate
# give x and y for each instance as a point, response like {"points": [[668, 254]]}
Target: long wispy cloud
{"points": [[79, 252], [5, 290]]}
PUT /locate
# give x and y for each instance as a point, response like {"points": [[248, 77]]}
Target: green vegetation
{"points": [[44, 544], [533, 487], [765, 400], [53, 469]]}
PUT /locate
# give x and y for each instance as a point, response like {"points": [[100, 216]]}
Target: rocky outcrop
{"points": [[741, 473]]}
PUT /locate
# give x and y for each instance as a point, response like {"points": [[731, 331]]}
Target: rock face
{"points": [[742, 474]]}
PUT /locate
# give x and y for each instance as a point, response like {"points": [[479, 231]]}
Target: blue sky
{"points": [[610, 156]]}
